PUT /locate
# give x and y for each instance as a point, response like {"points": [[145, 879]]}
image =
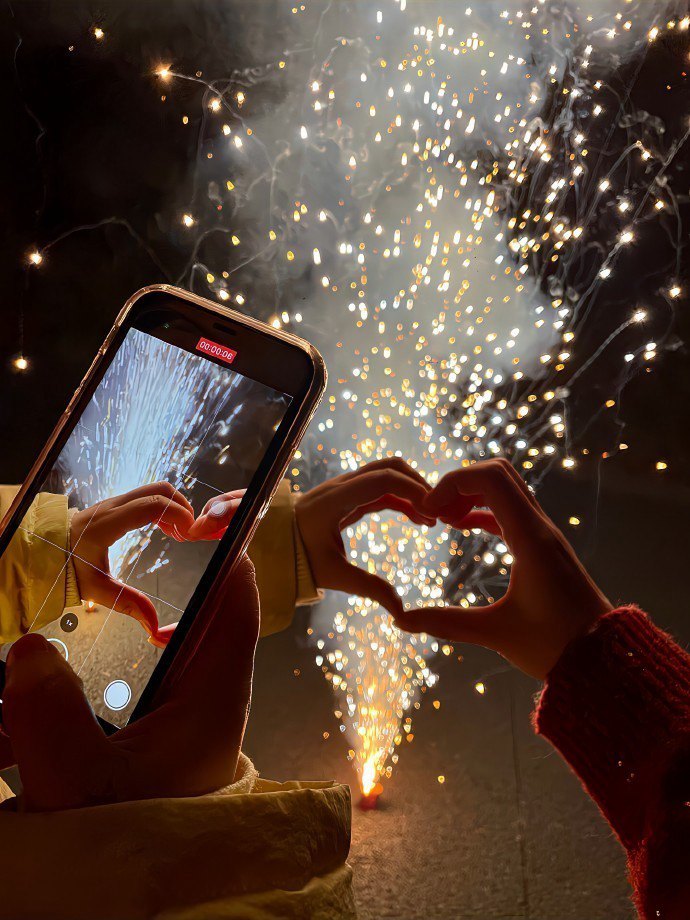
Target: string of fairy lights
{"points": [[429, 187]]}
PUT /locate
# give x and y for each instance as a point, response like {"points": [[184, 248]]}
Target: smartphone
{"points": [[182, 392]]}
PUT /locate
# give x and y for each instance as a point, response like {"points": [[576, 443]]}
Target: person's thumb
{"points": [[58, 745]]}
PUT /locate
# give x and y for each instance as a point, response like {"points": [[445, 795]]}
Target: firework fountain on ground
{"points": [[428, 198]]}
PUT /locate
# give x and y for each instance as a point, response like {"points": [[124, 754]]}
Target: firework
{"points": [[425, 201], [448, 273]]}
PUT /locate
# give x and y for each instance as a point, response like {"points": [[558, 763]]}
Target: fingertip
{"points": [[135, 604], [183, 527], [193, 531], [157, 642], [187, 504], [390, 601], [27, 646], [239, 582], [245, 568]]}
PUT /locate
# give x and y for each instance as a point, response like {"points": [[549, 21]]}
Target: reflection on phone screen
{"points": [[108, 555]]}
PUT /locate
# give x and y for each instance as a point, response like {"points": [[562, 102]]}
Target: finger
{"points": [[231, 615], [150, 509], [162, 488], [206, 532], [59, 746], [212, 524], [109, 592], [353, 580], [163, 635], [490, 483], [478, 625], [224, 496], [523, 485], [373, 486], [388, 503]]}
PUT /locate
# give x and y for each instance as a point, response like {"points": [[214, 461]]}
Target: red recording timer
{"points": [[215, 350]]}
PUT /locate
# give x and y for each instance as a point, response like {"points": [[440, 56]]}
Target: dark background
{"points": [[88, 143]]}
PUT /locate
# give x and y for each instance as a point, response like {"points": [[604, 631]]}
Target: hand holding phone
{"points": [[189, 411], [188, 746]]}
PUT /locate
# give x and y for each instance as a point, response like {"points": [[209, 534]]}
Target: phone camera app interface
{"points": [[114, 543]]}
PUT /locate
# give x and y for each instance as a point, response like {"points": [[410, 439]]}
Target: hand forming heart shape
{"points": [[550, 598]]}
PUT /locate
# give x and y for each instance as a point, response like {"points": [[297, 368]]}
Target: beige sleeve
{"points": [[262, 849], [282, 567]]}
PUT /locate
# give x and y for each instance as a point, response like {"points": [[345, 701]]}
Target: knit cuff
{"points": [[246, 776], [614, 706]]}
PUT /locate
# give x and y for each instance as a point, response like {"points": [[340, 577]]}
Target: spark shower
{"points": [[437, 194]]}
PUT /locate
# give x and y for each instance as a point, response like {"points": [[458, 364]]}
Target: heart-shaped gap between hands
{"points": [[550, 599]]}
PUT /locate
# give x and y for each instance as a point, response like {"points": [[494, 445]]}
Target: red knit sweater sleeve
{"points": [[617, 707]]}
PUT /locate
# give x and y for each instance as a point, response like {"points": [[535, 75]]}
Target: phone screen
{"points": [[86, 567]]}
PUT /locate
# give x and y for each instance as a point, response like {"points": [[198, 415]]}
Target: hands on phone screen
{"points": [[188, 746], [95, 529]]}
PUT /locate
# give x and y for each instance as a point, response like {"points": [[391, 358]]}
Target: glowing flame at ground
{"points": [[377, 670], [370, 773]]}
